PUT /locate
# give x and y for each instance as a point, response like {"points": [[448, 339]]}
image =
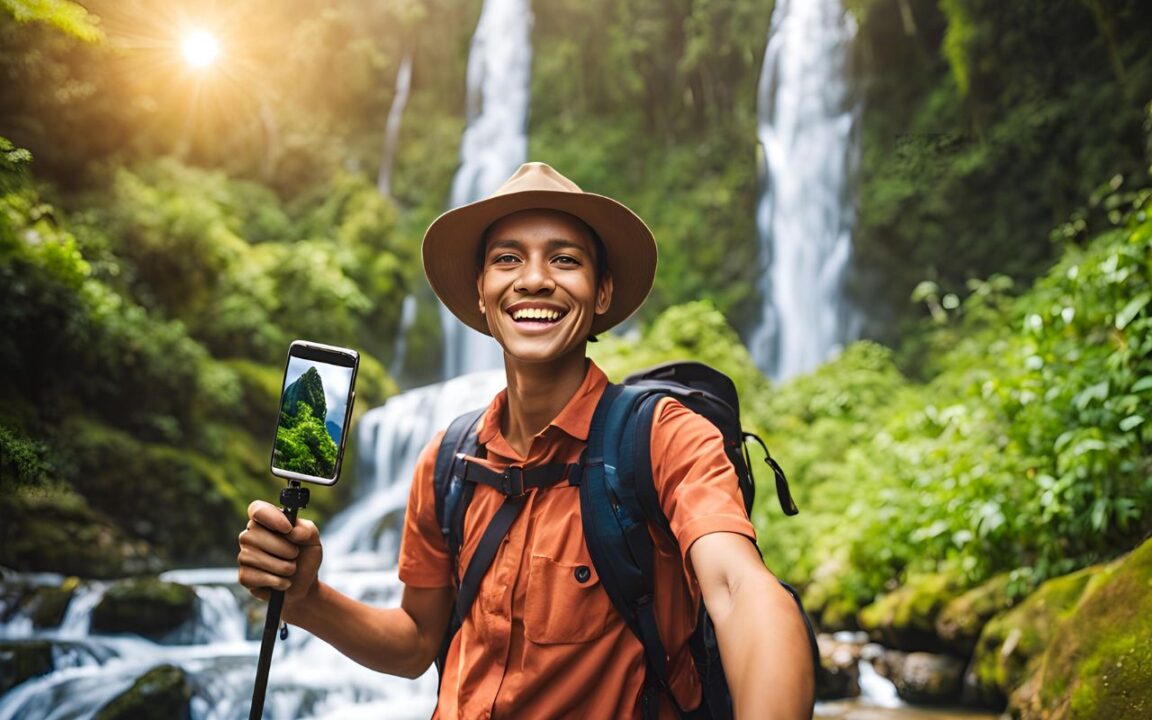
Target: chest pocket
{"points": [[565, 603]]}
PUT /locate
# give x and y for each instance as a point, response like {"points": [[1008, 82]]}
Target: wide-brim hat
{"points": [[452, 242]]}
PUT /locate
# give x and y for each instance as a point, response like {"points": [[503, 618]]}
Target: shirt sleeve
{"points": [[696, 483], [424, 558]]}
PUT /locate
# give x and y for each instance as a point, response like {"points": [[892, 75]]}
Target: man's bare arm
{"points": [[763, 640], [399, 641]]}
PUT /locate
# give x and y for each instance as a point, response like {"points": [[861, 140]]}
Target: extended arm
{"points": [[399, 641], [763, 640]]}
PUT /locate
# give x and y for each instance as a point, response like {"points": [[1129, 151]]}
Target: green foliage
{"points": [[303, 444], [1027, 450], [114, 319], [978, 137], [66, 16]]}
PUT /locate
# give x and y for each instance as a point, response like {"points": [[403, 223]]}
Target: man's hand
{"points": [[275, 555]]}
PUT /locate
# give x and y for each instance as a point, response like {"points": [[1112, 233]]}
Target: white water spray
{"points": [[806, 133]]}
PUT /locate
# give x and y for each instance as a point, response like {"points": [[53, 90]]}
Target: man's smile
{"points": [[524, 313]]}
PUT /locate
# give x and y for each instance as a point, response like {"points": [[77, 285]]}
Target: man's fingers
{"points": [[304, 533], [257, 537], [259, 560], [259, 582], [269, 516]]}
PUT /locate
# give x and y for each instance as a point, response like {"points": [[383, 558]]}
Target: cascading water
{"points": [[308, 679], [495, 143], [392, 127], [807, 123]]}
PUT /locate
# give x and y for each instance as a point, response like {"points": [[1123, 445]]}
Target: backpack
{"points": [[618, 503]]}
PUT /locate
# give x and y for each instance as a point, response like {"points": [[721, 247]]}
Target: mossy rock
{"points": [[830, 607], [905, 619], [20, 661], [1012, 642], [1099, 664], [962, 618], [57, 531], [162, 693], [47, 605], [146, 607]]}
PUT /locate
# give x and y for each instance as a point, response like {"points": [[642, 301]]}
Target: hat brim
{"points": [[452, 241]]}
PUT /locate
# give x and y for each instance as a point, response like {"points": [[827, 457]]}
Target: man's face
{"points": [[537, 285]]}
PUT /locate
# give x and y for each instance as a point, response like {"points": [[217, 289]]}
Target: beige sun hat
{"points": [[452, 241]]}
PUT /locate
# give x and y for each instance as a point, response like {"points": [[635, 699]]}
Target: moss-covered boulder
{"points": [[57, 531], [963, 618], [905, 619], [146, 607], [1012, 642], [1099, 663], [20, 661], [47, 604], [162, 693]]}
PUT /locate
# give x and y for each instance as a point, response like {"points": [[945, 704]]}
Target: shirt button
{"points": [[582, 574]]}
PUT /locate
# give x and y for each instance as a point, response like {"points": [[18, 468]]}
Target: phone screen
{"points": [[315, 408]]}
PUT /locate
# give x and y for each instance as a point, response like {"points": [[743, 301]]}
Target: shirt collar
{"points": [[575, 419]]}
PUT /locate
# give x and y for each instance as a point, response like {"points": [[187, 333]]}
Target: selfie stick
{"points": [[292, 498]]}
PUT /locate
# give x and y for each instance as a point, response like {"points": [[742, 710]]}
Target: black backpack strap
{"points": [[783, 494], [452, 493], [616, 530], [452, 498], [455, 482]]}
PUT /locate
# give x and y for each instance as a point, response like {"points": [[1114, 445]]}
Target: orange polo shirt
{"points": [[538, 642]]}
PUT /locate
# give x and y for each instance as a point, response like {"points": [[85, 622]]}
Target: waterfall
{"points": [[495, 143], [806, 129], [392, 127]]}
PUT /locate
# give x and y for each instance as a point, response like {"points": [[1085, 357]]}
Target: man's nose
{"points": [[535, 277]]}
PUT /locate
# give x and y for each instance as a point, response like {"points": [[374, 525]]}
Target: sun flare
{"points": [[201, 49]]}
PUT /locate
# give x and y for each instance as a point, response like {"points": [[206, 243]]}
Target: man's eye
{"points": [[566, 260], [504, 259]]}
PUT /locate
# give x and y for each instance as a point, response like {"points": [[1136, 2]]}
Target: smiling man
{"points": [[542, 267]]}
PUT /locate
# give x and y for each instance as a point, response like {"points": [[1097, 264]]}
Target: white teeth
{"points": [[536, 314]]}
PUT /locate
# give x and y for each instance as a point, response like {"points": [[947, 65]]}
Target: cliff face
{"points": [[307, 388]]}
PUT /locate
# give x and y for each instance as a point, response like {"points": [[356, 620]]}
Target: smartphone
{"points": [[315, 410]]}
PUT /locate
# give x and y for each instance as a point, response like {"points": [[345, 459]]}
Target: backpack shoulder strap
{"points": [[452, 493], [452, 498], [616, 527]]}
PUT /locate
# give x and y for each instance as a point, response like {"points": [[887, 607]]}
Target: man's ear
{"points": [[604, 294], [480, 293]]}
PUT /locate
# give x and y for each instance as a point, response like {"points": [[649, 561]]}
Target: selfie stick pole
{"points": [[292, 498]]}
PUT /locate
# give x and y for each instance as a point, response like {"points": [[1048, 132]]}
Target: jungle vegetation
{"points": [[164, 235]]}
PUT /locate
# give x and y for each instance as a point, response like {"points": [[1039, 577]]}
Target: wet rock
{"points": [[839, 675], [162, 693], [20, 661], [921, 678], [929, 678], [47, 605], [146, 607]]}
